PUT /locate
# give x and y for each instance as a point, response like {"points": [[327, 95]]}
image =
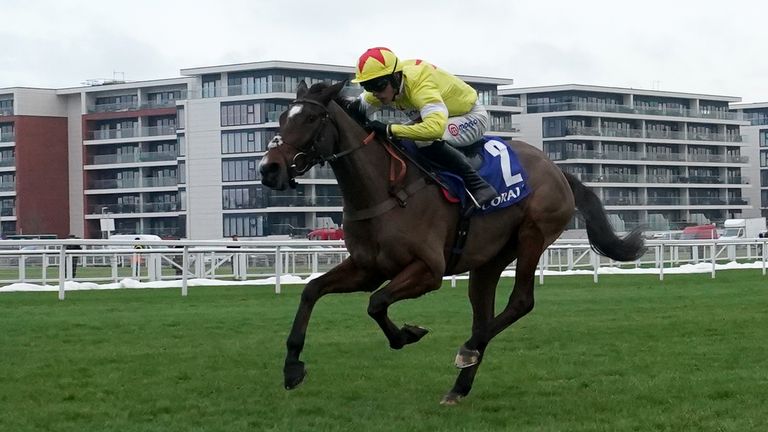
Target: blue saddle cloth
{"points": [[500, 168]]}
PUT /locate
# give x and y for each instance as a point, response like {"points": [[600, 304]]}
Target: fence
{"points": [[163, 260]]}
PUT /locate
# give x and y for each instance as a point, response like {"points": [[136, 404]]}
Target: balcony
{"points": [[664, 201], [503, 127], [6, 111], [159, 181], [673, 201], [133, 183], [661, 178], [650, 134], [496, 100], [628, 109], [165, 103], [7, 186], [7, 137], [627, 200], [149, 131], [114, 208], [8, 162], [133, 158], [113, 107], [160, 207]]}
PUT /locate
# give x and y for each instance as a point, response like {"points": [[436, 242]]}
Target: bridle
{"points": [[313, 156]]}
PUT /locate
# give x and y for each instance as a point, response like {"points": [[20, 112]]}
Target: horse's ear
{"points": [[331, 92], [301, 90]]}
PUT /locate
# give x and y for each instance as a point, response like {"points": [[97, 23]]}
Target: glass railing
{"points": [[639, 156], [496, 100], [6, 111], [147, 131], [627, 109], [7, 137], [158, 156], [8, 211], [159, 181], [114, 208], [660, 178], [652, 134], [674, 201], [133, 183], [6, 162], [7, 186], [328, 201], [503, 127], [165, 103], [113, 107], [114, 158], [664, 178], [652, 200], [622, 201], [160, 207], [114, 183]]}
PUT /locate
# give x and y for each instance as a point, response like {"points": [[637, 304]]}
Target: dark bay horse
{"points": [[407, 248]]}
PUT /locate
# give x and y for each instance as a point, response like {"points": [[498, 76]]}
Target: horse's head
{"points": [[308, 136]]}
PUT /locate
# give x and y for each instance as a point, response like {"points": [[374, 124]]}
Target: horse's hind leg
{"points": [[345, 277], [529, 247], [482, 295], [415, 280]]}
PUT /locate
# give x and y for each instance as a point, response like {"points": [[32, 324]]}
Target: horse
{"points": [[405, 242]]}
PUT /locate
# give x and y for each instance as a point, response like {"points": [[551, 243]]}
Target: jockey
{"points": [[444, 110]]}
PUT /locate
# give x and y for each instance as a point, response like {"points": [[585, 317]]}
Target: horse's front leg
{"points": [[415, 280], [344, 278]]}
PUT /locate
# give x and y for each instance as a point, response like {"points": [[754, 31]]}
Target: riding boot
{"points": [[454, 161]]}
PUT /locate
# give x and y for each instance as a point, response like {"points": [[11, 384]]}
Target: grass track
{"points": [[628, 354]]}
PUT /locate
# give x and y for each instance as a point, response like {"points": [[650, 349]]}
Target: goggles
{"points": [[376, 85]]}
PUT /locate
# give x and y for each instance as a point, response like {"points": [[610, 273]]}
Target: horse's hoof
{"points": [[294, 374], [408, 335], [413, 333], [466, 357], [451, 399]]}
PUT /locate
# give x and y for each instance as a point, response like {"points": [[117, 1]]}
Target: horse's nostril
{"points": [[269, 168]]}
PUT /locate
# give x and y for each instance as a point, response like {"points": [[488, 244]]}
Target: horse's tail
{"points": [[601, 236]]}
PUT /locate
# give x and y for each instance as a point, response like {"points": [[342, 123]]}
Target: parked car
{"points": [[326, 234], [700, 232]]}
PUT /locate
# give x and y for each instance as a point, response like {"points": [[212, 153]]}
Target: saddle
{"points": [[496, 162]]}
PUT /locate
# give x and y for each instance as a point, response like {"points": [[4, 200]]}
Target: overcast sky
{"points": [[713, 47]]}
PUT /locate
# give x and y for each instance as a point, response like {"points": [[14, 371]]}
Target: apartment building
{"points": [[126, 161], [756, 133], [664, 160]]}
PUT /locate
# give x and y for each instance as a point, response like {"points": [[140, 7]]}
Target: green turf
{"points": [[628, 354]]}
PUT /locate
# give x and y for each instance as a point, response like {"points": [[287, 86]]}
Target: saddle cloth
{"points": [[499, 166]]}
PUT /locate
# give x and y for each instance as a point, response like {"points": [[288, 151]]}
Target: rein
{"points": [[397, 168]]}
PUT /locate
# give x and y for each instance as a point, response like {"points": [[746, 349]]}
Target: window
{"points": [[180, 121], [245, 141], [211, 85], [239, 170], [263, 224]]}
